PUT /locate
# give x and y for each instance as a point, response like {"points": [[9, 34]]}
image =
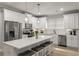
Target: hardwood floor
{"points": [[63, 51], [1, 52]]}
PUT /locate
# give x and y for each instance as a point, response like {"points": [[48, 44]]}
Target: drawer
{"points": [[27, 53]]}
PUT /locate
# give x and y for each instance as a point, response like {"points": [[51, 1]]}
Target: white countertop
{"points": [[21, 43]]}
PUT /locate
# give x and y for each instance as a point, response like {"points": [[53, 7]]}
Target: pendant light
{"points": [[38, 5], [26, 17]]}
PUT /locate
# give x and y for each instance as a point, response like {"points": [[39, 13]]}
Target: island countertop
{"points": [[21, 43], [13, 48]]}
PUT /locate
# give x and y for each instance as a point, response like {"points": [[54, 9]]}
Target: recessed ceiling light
{"points": [[61, 9]]}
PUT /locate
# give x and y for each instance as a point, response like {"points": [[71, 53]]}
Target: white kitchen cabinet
{"points": [[76, 21], [14, 16], [10, 15], [71, 21], [72, 41], [75, 42], [66, 21], [69, 40], [55, 39]]}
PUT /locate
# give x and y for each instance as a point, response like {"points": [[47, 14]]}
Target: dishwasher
{"points": [[62, 40]]}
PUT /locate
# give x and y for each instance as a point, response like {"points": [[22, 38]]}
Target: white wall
{"points": [[42, 23], [34, 21], [56, 23]]}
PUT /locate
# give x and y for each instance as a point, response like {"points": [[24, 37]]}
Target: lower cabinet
{"points": [[69, 41], [75, 42], [41, 50], [27, 53], [72, 41], [55, 39]]}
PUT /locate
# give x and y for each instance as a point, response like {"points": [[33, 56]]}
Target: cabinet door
{"points": [[66, 21], [74, 42], [16, 29], [6, 31], [20, 31], [11, 31], [71, 21], [55, 39], [76, 21], [69, 41], [52, 39]]}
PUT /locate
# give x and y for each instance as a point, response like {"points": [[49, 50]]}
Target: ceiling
{"points": [[46, 8]]}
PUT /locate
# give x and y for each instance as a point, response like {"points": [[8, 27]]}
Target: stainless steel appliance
{"points": [[28, 30], [62, 40], [12, 30]]}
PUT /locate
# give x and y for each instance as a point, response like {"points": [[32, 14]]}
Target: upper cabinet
{"points": [[71, 21], [10, 15]]}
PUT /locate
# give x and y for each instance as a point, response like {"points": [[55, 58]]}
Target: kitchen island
{"points": [[13, 48]]}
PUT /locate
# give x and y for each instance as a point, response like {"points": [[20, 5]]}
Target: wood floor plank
{"points": [[64, 51]]}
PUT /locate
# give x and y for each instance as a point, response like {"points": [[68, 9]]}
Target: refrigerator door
{"points": [[6, 31], [20, 31], [16, 29]]}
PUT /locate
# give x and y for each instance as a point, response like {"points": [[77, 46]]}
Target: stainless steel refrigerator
{"points": [[12, 30]]}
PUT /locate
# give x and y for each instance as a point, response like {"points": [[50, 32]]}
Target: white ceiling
{"points": [[46, 8]]}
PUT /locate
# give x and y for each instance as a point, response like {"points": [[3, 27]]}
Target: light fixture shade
{"points": [[46, 25], [39, 13], [61, 9], [26, 19], [38, 21]]}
